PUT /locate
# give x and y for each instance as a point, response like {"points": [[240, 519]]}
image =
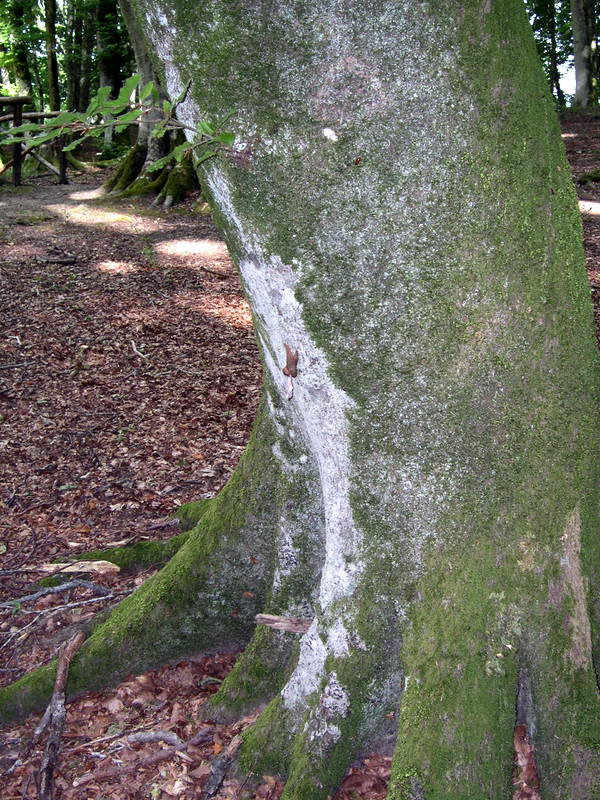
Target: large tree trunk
{"points": [[402, 215]]}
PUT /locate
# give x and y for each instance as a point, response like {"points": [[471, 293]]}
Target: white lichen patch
{"points": [[333, 703], [318, 408], [162, 36], [306, 678], [287, 554]]}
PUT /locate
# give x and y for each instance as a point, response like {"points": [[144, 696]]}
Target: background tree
{"points": [[421, 485], [51, 57], [551, 23], [584, 14], [21, 38]]}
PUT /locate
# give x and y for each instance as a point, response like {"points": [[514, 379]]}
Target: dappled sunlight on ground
{"points": [[87, 194], [189, 247], [122, 267], [120, 221], [589, 207]]}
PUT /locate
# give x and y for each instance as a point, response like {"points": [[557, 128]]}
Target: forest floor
{"points": [[129, 379]]}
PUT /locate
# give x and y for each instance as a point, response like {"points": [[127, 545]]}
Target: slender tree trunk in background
{"points": [[584, 32], [110, 60], [73, 54], [424, 490], [20, 49], [554, 71], [41, 88], [88, 39], [110, 63], [50, 26]]}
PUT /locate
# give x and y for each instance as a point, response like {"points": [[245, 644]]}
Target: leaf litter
{"points": [[129, 379]]}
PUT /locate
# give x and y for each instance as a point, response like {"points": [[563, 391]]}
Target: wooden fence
{"points": [[17, 116]]}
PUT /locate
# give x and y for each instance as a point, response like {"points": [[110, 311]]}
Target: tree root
{"points": [[128, 170], [145, 183], [204, 599], [181, 179], [140, 555]]}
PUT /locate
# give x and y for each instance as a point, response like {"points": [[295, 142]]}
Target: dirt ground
{"points": [[129, 378]]}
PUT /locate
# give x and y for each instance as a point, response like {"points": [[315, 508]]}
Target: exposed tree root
{"points": [[140, 555], [145, 183], [181, 179], [127, 171], [205, 599]]}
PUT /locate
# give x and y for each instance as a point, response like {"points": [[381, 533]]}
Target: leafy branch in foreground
{"points": [[102, 113]]}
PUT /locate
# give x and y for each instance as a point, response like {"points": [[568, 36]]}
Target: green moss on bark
{"points": [[141, 554], [128, 170]]}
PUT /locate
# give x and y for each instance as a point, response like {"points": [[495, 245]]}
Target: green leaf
{"points": [[159, 129], [147, 90], [76, 143], [227, 138], [180, 152], [166, 107], [162, 162], [98, 100], [25, 128], [181, 97], [206, 155], [128, 89], [125, 119], [205, 128]]}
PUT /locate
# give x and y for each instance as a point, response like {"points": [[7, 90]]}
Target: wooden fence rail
{"points": [[17, 116]]}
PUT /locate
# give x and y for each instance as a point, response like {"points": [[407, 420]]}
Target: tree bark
{"points": [[73, 54], [424, 489], [584, 31], [20, 50], [50, 27], [553, 56], [87, 46]]}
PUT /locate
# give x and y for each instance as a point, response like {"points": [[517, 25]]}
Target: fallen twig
{"points": [[138, 352], [216, 272], [289, 624], [56, 708], [157, 736], [64, 587], [56, 718], [147, 761], [15, 365], [77, 566], [219, 768]]}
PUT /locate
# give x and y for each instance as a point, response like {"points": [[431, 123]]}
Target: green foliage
{"points": [[208, 139], [551, 23]]}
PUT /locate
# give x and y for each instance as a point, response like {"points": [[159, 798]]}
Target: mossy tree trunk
{"points": [[402, 215]]}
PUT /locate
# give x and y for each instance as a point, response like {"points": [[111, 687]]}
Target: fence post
{"points": [[17, 103]]}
